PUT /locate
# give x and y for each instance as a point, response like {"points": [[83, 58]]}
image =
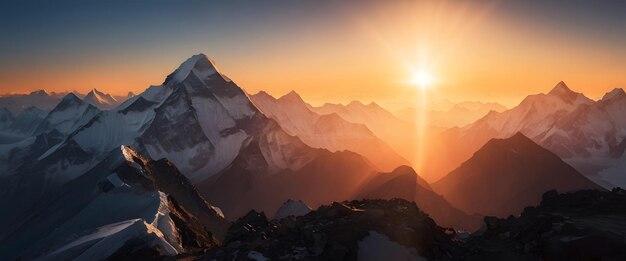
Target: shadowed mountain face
{"points": [[247, 184], [328, 131], [506, 175], [404, 183]]}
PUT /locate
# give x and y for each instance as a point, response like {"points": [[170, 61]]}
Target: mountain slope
{"points": [[592, 138], [250, 182], [404, 183], [120, 201], [506, 175], [328, 131], [69, 114], [16, 128]]}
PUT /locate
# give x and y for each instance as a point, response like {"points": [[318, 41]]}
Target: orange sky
{"points": [[475, 52]]}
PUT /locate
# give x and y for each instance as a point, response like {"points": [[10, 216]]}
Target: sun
{"points": [[422, 79]]}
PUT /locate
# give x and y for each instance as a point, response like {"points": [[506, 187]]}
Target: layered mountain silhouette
{"points": [[404, 183], [585, 133], [328, 131], [506, 175], [399, 134], [40, 99], [459, 114]]}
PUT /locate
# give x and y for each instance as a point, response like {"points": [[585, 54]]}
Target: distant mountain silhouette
{"points": [[506, 175]]}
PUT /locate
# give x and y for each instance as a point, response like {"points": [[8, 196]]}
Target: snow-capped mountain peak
{"points": [[199, 64], [96, 97]]}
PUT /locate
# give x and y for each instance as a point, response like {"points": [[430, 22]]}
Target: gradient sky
{"points": [[331, 51]]}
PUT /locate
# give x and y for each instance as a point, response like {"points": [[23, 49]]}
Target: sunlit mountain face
{"points": [[280, 130]]}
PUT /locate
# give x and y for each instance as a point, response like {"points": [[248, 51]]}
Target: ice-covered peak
{"points": [[199, 63], [96, 92], [100, 97], [615, 93]]}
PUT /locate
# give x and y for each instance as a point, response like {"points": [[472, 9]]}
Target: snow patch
{"points": [[292, 208], [218, 211]]}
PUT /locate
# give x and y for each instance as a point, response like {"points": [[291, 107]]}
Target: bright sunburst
{"points": [[422, 79]]}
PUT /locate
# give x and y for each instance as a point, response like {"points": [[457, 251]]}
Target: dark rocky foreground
{"points": [[333, 232], [584, 225]]}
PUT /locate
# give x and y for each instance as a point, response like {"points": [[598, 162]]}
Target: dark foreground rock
{"points": [[583, 225], [334, 232]]}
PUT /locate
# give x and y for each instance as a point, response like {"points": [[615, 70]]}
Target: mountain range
{"points": [[587, 134], [459, 114], [169, 169], [328, 131], [399, 134], [201, 122]]}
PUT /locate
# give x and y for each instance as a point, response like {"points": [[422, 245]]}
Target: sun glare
{"points": [[422, 79]]}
